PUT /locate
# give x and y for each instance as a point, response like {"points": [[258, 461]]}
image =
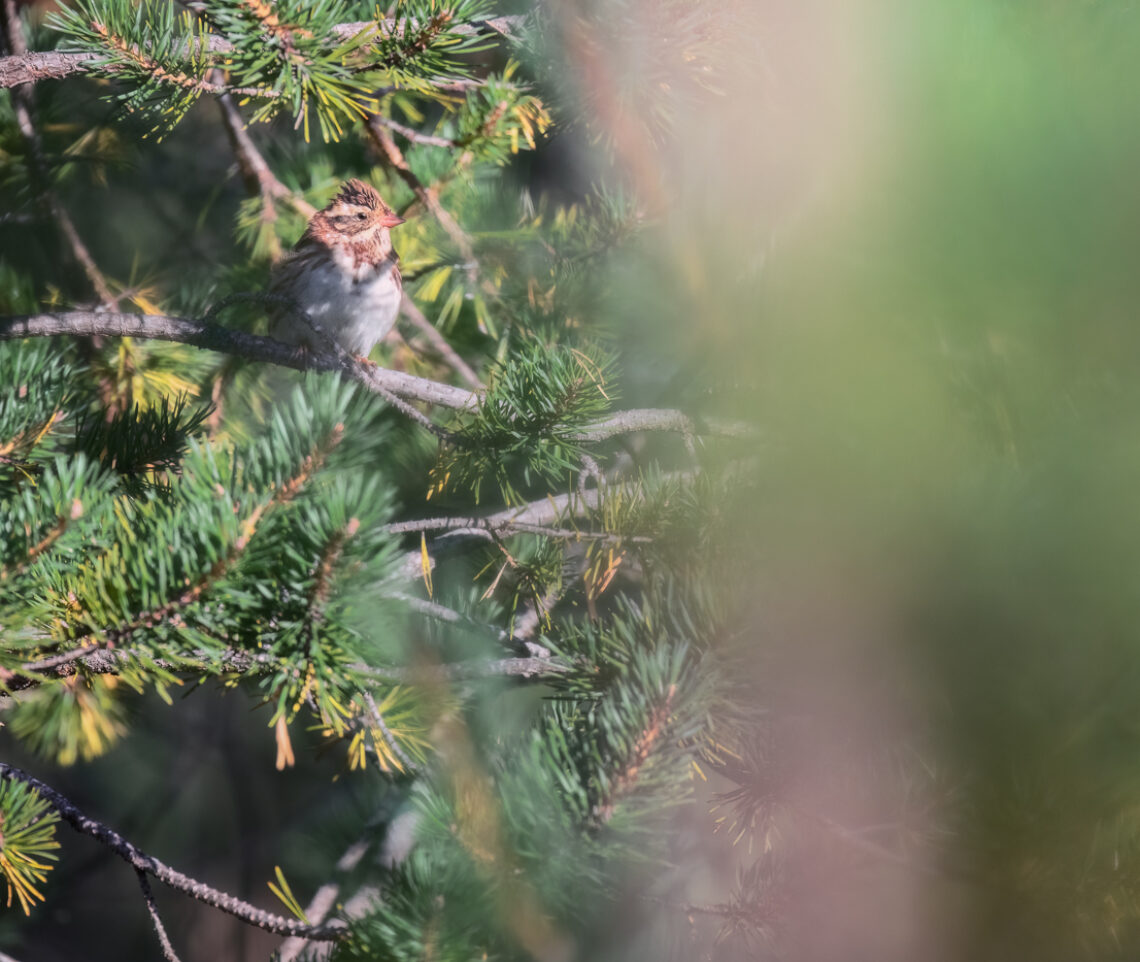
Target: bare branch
{"points": [[98, 660], [382, 381], [426, 195], [258, 177], [660, 419], [414, 135], [409, 309], [212, 337], [23, 105], [168, 952], [542, 512], [150, 865]]}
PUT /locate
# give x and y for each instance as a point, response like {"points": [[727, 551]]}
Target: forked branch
{"points": [[149, 865]]}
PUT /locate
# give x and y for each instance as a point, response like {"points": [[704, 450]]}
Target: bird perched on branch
{"points": [[343, 273]]}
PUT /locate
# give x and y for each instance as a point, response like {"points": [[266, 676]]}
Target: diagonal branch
{"points": [[150, 865], [23, 106], [255, 172], [168, 952], [427, 196], [449, 355]]}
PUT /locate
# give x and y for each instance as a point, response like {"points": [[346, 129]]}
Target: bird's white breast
{"points": [[356, 305]]}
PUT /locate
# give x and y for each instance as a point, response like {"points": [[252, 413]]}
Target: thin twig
{"points": [[409, 309], [428, 196], [168, 952], [256, 173], [150, 865], [23, 104], [414, 135], [389, 736]]}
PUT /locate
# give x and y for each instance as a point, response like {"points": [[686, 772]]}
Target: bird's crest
{"points": [[359, 194]]}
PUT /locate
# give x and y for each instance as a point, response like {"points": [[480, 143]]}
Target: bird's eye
{"points": [[362, 216]]}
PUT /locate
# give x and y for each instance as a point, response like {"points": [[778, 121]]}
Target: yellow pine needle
{"points": [[285, 758], [425, 563], [56, 415], [145, 303], [592, 370], [357, 756]]}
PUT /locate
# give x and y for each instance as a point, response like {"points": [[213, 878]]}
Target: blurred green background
{"points": [[941, 331]]}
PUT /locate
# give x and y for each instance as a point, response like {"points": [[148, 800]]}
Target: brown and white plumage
{"points": [[343, 273]]}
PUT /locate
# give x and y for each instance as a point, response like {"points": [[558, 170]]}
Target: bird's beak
{"points": [[391, 220]]}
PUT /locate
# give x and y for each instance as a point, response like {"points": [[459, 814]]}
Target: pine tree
{"points": [[402, 556]]}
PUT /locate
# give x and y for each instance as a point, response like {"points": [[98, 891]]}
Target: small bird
{"points": [[343, 273]]}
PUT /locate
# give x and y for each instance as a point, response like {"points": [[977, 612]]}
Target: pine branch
{"points": [[25, 68], [148, 65], [379, 380], [322, 581], [171, 611], [101, 660], [628, 776], [148, 864], [45, 543]]}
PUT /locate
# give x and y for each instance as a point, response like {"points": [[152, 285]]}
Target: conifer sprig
{"points": [[524, 427], [27, 842], [284, 55]]}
